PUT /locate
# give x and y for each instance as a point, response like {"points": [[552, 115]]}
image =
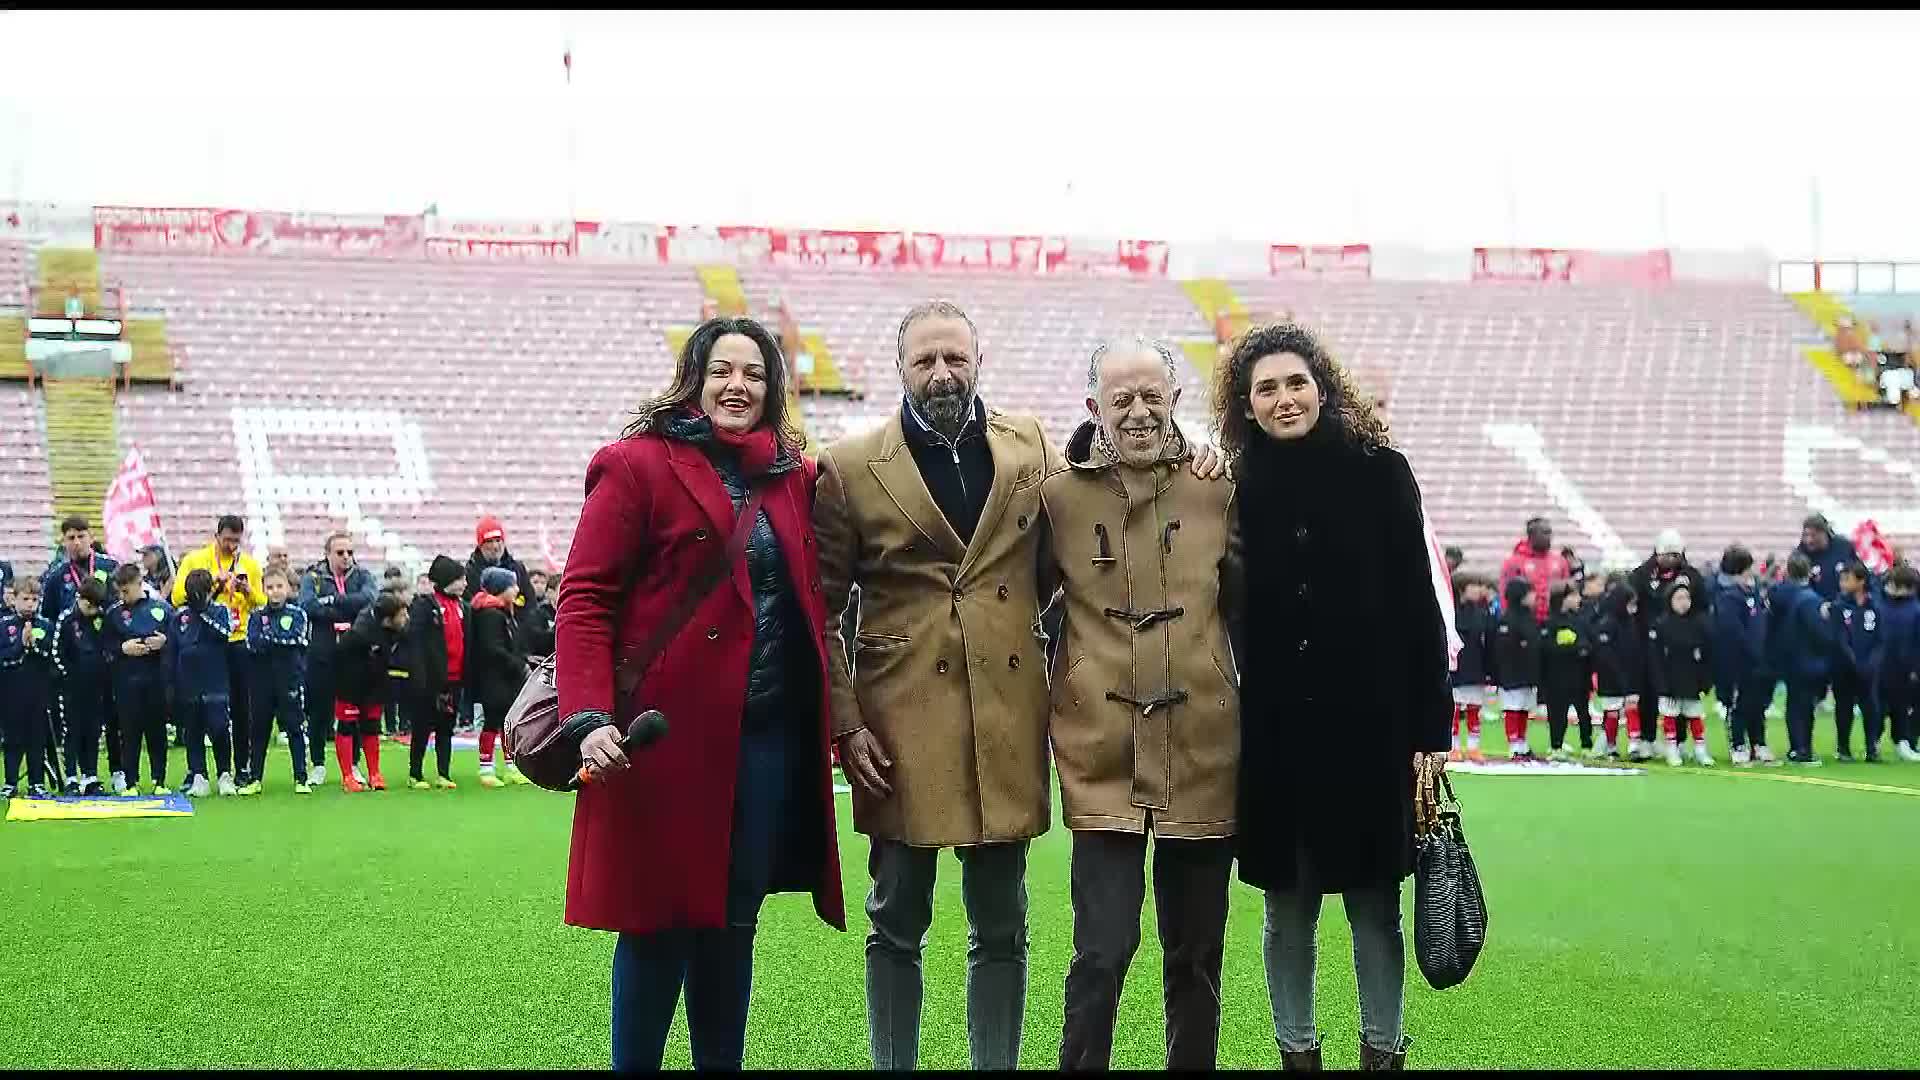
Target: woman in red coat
{"points": [[675, 846]]}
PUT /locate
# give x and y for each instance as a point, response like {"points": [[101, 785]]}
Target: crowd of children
{"points": [[111, 664], [1613, 643]]}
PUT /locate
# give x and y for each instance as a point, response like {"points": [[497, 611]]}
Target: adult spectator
{"points": [[1147, 684], [277, 557], [1534, 559], [1848, 343], [156, 569], [77, 561], [1827, 554], [333, 591], [675, 847], [1652, 581], [1326, 802], [236, 587], [490, 549], [1454, 558]]}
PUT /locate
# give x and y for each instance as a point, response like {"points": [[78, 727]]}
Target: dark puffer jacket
{"points": [[776, 618]]}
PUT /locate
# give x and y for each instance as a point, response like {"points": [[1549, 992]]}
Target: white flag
{"points": [[131, 517]]}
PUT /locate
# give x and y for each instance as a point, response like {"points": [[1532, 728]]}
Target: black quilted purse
{"points": [[1449, 910]]}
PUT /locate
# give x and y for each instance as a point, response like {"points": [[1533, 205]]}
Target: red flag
{"points": [[567, 59], [131, 516], [1872, 547]]}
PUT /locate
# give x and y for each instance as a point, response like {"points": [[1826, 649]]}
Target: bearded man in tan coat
{"points": [[1145, 722]]}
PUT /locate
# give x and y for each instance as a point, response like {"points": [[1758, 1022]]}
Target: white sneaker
{"points": [[1673, 753], [119, 783], [316, 775], [358, 776], [1741, 756], [1764, 756], [283, 738], [1700, 755], [1905, 752], [225, 784], [198, 789]]}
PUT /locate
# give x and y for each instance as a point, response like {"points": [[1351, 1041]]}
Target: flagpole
{"points": [[573, 135]]}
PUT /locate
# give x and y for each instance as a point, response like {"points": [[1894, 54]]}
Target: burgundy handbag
{"points": [[537, 740]]}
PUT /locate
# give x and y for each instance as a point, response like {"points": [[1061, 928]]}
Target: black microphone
{"points": [[646, 729]]}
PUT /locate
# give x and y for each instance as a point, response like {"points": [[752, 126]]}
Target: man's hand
{"points": [[866, 762], [601, 751], [1208, 463]]}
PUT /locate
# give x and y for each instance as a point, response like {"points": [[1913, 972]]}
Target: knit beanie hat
{"points": [[489, 529], [444, 572], [497, 580]]}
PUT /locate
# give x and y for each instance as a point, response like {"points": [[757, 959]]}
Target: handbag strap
{"points": [[628, 669]]}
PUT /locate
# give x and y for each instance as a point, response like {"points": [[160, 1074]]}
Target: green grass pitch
{"points": [[1687, 918]]}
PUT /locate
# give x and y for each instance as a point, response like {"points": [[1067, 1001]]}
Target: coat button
{"points": [[957, 595], [700, 534], [909, 547], [1303, 590], [1013, 662], [713, 634], [1303, 644], [1003, 592], [940, 667], [1022, 522], [1300, 534]]}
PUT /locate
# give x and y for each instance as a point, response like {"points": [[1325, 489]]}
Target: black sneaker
{"points": [[1873, 757], [94, 788], [8, 791], [1844, 757], [72, 788], [39, 791]]}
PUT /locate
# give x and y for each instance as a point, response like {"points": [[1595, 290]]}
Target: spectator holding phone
{"points": [[237, 586]]}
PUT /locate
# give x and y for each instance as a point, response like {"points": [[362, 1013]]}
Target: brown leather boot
{"points": [[1307, 1060], [1372, 1060]]}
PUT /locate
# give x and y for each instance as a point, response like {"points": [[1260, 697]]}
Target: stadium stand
{"points": [[410, 397]]}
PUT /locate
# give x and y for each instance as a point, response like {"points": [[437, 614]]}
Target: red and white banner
{"points": [[1106, 258], [1580, 267], [1872, 546], [1334, 262], [618, 241], [947, 251], [131, 516], [213, 231], [46, 223], [454, 239]]}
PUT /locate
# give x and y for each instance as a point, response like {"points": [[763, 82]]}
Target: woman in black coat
{"points": [[1345, 691]]}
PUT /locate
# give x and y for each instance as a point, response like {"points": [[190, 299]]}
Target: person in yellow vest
{"points": [[237, 586]]}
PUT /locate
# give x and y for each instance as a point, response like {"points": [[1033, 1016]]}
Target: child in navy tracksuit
{"points": [[1900, 658], [1856, 664], [80, 662], [277, 653], [1618, 660], [1739, 646], [1566, 668], [1473, 621], [197, 658], [1800, 645], [1516, 665], [134, 635], [26, 691]]}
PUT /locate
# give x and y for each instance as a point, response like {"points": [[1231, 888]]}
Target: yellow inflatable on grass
{"points": [[98, 809]]}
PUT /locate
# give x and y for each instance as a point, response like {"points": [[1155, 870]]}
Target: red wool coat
{"points": [[650, 843]]}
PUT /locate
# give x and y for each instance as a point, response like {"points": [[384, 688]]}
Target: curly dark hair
{"points": [[1346, 407], [690, 373]]}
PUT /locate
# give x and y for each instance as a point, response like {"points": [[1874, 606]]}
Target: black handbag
{"points": [[1449, 910]]}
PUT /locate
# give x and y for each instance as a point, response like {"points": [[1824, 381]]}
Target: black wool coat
{"points": [[1344, 673]]}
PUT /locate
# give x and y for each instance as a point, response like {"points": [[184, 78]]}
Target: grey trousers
{"points": [[1379, 960], [993, 885], [1190, 900]]}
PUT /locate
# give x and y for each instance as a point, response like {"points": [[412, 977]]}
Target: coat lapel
{"points": [[1001, 442], [900, 477], [702, 482]]}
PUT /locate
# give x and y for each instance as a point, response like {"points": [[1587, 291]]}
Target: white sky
{"points": [[1420, 129]]}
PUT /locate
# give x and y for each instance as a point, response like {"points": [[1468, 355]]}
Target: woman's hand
{"points": [[600, 751]]}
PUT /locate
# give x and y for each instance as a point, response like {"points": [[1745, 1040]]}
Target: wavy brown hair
{"points": [[690, 373], [1346, 407]]}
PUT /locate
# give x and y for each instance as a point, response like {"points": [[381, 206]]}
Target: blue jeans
{"points": [[716, 965]]}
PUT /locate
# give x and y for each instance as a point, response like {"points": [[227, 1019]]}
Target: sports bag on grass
{"points": [[1449, 910], [538, 742]]}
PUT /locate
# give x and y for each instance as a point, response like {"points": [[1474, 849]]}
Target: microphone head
{"points": [[646, 728]]}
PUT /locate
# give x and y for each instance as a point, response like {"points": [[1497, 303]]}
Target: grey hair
{"points": [[1136, 343], [934, 309]]}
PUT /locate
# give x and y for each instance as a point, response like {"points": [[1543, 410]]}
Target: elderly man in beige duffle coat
{"points": [[1146, 707], [941, 710]]}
